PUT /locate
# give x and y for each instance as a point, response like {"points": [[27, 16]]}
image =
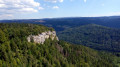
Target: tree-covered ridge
{"points": [[94, 36], [16, 51], [60, 24], [87, 57], [16, 28]]}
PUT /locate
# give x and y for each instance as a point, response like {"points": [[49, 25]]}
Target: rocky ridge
{"points": [[40, 38]]}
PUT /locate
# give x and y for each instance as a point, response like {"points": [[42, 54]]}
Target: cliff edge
{"points": [[40, 38]]}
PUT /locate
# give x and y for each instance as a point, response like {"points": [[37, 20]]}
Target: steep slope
{"points": [[94, 36], [16, 51]]}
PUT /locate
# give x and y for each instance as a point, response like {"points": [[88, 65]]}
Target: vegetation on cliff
{"points": [[16, 51]]}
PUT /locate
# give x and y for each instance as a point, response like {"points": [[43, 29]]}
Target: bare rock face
{"points": [[40, 38]]}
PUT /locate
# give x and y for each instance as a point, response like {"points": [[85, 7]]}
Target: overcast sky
{"points": [[35, 9]]}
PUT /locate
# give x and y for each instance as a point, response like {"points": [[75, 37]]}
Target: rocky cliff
{"points": [[40, 38]]}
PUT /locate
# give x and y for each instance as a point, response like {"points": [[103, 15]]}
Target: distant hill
{"points": [[59, 24], [94, 36]]}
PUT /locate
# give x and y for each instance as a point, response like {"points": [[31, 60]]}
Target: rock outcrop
{"points": [[40, 38]]}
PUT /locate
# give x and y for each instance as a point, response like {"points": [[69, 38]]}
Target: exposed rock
{"points": [[40, 38]]}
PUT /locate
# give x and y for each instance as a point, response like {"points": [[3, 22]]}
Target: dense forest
{"points": [[94, 36], [16, 51]]}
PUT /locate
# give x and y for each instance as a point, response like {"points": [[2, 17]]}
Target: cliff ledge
{"points": [[40, 38]]}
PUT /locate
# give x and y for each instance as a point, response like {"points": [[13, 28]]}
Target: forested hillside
{"points": [[60, 24], [94, 36], [16, 51]]}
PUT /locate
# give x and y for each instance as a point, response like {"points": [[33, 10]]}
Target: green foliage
{"points": [[82, 56], [93, 36], [2, 37], [15, 51]]}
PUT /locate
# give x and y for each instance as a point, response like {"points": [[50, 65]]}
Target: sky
{"points": [[37, 9]]}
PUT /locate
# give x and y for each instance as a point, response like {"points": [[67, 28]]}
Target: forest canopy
{"points": [[16, 51]]}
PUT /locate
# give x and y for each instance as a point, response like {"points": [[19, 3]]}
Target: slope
{"points": [[16, 51], [94, 36]]}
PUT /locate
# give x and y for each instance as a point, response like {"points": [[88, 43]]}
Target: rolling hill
{"points": [[94, 36], [60, 24]]}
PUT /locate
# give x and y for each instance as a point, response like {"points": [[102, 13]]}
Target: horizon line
{"points": [[61, 17]]}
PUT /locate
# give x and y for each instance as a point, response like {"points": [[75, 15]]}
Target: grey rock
{"points": [[40, 38]]}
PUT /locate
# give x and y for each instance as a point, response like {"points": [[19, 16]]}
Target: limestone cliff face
{"points": [[40, 38]]}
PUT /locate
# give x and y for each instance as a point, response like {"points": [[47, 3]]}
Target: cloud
{"points": [[28, 10], [60, 0], [6, 16], [106, 14], [55, 7], [11, 7], [54, 1], [41, 8], [85, 1], [115, 13]]}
